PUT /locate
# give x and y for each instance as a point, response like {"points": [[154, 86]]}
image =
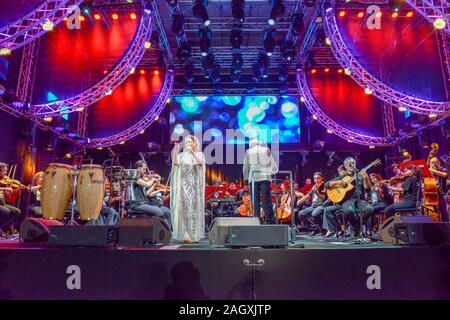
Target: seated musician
{"points": [[410, 189], [398, 173], [159, 195], [35, 208], [312, 216], [349, 206], [378, 195], [143, 189], [440, 175], [108, 215], [8, 213], [331, 212]]}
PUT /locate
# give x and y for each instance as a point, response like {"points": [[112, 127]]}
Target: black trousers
{"points": [[443, 207], [8, 216], [405, 204], [330, 218], [262, 188], [351, 212]]}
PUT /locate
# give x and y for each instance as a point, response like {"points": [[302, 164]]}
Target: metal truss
{"points": [[117, 75], [25, 83], [330, 124], [29, 27], [154, 111], [365, 79], [432, 10], [444, 54], [388, 119], [237, 91]]}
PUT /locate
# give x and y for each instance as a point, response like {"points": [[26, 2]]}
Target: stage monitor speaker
{"points": [[413, 233], [388, 227], [218, 232], [135, 233], [259, 236], [36, 230], [78, 236]]}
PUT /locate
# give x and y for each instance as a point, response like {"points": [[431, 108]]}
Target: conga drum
{"points": [[90, 191], [56, 191]]}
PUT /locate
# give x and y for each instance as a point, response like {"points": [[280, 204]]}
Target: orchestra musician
{"points": [[349, 205], [440, 175], [312, 215], [378, 194], [8, 214], [144, 190], [331, 212], [410, 189], [35, 209], [259, 166]]}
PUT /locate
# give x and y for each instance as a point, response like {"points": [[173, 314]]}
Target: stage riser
{"points": [[406, 273]]}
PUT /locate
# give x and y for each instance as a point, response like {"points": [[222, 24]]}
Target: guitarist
{"points": [[349, 204], [330, 213], [312, 216], [440, 175]]}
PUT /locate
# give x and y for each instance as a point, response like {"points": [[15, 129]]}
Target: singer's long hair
{"points": [[196, 142]]}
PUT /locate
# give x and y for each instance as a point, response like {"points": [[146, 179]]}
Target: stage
{"points": [[320, 270]]}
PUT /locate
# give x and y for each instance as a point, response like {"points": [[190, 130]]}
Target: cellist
{"points": [[8, 213], [440, 175]]}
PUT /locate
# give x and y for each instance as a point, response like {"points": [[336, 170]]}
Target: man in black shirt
{"points": [[410, 190], [312, 216], [440, 175]]}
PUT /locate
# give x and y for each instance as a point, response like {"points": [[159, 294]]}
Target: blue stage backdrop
{"points": [[255, 116]]}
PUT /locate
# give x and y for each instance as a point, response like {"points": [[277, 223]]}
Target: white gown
{"points": [[187, 198]]}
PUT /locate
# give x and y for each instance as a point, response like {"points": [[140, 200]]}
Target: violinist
{"points": [[410, 189], [312, 216], [35, 209], [398, 173], [440, 175], [378, 194], [144, 190], [8, 213]]}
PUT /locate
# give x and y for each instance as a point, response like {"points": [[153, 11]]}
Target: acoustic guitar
{"points": [[336, 195]]}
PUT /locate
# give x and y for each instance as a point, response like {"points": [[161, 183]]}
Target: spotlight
{"points": [[402, 109], [298, 67], [368, 91], [409, 14], [142, 71], [327, 70], [47, 25], [327, 6], [156, 73], [342, 13], [97, 16], [236, 38], [177, 23], [237, 10], [133, 16], [394, 14], [340, 70], [439, 23], [147, 44], [269, 41], [360, 14], [432, 115], [330, 131], [5, 51], [115, 16], [148, 7], [297, 23], [347, 71], [199, 11], [205, 41], [68, 155], [278, 9], [313, 71], [283, 76], [288, 50], [172, 3], [184, 51], [50, 119]]}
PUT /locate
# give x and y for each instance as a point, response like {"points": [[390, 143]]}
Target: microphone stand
{"points": [[361, 236], [74, 200]]}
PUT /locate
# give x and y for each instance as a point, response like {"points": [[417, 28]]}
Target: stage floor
{"points": [[320, 270]]}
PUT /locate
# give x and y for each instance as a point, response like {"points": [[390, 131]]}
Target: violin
{"points": [[393, 180], [11, 196]]}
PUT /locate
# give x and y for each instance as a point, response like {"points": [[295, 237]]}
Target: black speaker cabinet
{"points": [[78, 236], [36, 230], [414, 233], [146, 232], [388, 227], [259, 236], [218, 232]]}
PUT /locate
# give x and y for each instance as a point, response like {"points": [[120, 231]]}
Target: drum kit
{"points": [[86, 186]]}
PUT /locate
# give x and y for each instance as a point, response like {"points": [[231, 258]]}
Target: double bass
{"points": [[430, 189]]}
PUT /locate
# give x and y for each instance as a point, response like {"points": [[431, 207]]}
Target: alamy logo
{"points": [[373, 17], [73, 282], [374, 280]]}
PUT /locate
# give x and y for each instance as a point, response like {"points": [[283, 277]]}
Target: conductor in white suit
{"points": [[259, 166]]}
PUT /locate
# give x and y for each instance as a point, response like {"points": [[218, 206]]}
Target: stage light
{"points": [[360, 14], [205, 41], [406, 153], [342, 13], [236, 38], [328, 41], [133, 70], [237, 10], [269, 41], [156, 73], [177, 23], [199, 11], [432, 115], [330, 131], [313, 71], [347, 71], [298, 67], [314, 117], [340, 70], [133, 16], [18, 104], [148, 7], [327, 70], [379, 14], [168, 100], [278, 9], [172, 3], [409, 14], [80, 109], [68, 156], [439, 23], [402, 109], [297, 22], [108, 92], [115, 16], [82, 18], [142, 132], [368, 91], [48, 119], [147, 44], [122, 142], [394, 15], [288, 50], [105, 71], [372, 147], [99, 148], [47, 25], [142, 71], [97, 16], [156, 118], [328, 7]]}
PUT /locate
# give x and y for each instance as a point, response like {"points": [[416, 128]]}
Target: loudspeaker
{"points": [[36, 230], [78, 236], [413, 233], [218, 232], [388, 227], [145, 232], [259, 236]]}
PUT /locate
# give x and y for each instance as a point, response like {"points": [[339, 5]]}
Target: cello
{"points": [[285, 209]]}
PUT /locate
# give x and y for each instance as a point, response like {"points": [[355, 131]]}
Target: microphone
{"points": [[112, 152]]}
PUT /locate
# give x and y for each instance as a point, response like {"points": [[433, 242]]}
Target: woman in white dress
{"points": [[187, 191]]}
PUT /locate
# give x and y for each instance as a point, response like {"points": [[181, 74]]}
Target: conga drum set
{"points": [[84, 184]]}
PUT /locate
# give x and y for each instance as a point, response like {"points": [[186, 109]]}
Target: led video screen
{"points": [[261, 117]]}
